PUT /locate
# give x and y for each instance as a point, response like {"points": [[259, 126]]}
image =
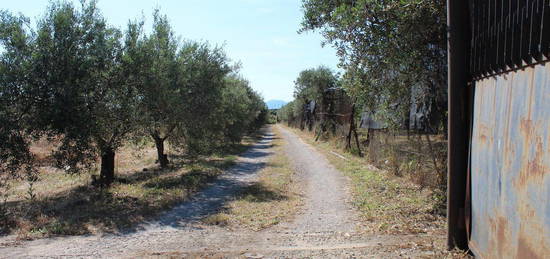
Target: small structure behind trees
{"points": [[381, 133]]}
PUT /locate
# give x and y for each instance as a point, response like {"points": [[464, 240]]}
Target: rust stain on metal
{"points": [[525, 251], [532, 241], [510, 161], [484, 134], [500, 238], [533, 169], [502, 230]]}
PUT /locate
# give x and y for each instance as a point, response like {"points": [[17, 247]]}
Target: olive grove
{"points": [[93, 87]]}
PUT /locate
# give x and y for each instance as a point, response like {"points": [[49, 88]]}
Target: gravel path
{"points": [[325, 227]]}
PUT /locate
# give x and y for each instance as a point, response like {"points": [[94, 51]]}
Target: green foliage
{"points": [[15, 63], [393, 52], [286, 113], [310, 85], [242, 110], [84, 95], [162, 105], [78, 80], [203, 69], [151, 62]]}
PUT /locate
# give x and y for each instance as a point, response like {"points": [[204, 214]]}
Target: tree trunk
{"points": [[353, 130], [369, 136], [351, 127], [357, 141], [107, 173], [162, 158], [348, 137]]}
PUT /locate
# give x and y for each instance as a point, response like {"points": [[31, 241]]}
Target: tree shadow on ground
{"points": [[213, 198], [86, 209], [72, 212], [192, 180], [258, 192]]}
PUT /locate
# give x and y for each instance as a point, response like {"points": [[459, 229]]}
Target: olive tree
{"points": [[203, 70], [154, 60], [80, 81], [86, 96], [242, 110], [16, 160]]}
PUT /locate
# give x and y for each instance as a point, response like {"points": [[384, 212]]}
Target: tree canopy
{"points": [[90, 86], [393, 52]]}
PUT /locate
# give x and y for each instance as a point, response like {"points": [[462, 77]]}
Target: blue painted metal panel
{"points": [[510, 165]]}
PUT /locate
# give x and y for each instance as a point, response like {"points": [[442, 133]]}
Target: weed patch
{"points": [[269, 201]]}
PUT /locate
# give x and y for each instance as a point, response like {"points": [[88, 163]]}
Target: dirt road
{"points": [[326, 226]]}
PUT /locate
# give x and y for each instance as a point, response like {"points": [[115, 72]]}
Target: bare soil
{"points": [[327, 226]]}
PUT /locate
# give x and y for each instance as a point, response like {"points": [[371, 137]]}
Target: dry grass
{"points": [[271, 200], [417, 157], [388, 203], [69, 205]]}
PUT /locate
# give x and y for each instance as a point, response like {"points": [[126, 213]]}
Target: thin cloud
{"points": [[264, 10], [281, 42]]}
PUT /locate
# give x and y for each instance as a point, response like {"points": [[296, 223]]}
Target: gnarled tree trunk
{"points": [[107, 173], [162, 158]]}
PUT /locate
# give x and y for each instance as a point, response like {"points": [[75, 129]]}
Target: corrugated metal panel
{"points": [[510, 161], [368, 121]]}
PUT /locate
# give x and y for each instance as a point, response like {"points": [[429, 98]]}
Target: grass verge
{"points": [[387, 203], [269, 201]]}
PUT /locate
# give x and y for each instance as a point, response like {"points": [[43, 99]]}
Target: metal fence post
{"points": [[459, 120]]}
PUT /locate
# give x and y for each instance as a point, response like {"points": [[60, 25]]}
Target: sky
{"points": [[260, 34]]}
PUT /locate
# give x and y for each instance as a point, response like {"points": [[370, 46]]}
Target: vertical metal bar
{"points": [[509, 36], [545, 29], [513, 35], [525, 32], [493, 29], [475, 55], [521, 22], [478, 35], [499, 23], [458, 123], [473, 39], [484, 36], [516, 54], [504, 20], [533, 34], [537, 38]]}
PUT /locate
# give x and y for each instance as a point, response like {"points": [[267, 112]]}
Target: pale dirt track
{"points": [[325, 227]]}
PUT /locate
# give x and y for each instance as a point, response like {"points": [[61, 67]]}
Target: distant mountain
{"points": [[275, 104]]}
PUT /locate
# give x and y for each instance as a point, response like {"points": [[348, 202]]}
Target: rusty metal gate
{"points": [[510, 165], [499, 127]]}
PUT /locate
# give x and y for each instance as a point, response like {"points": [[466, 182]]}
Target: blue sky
{"points": [[261, 34]]}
